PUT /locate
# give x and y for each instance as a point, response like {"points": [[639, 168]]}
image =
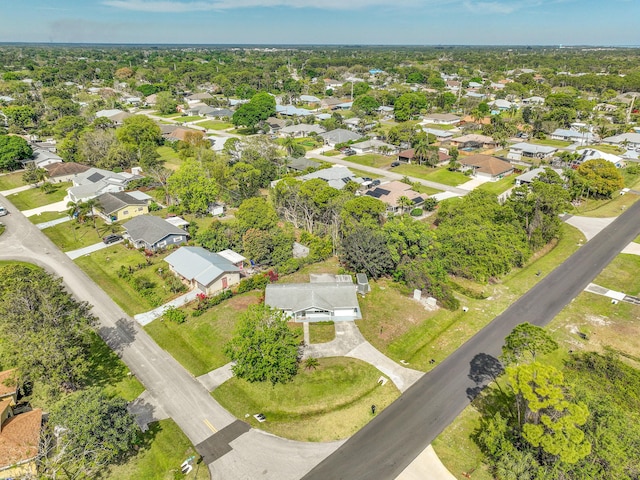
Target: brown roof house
{"points": [[473, 141], [19, 434], [64, 171], [486, 166], [407, 156], [392, 193]]}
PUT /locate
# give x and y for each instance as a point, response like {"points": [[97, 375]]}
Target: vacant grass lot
{"points": [[72, 235], [328, 403], [404, 330], [603, 208], [102, 266], [11, 180], [35, 197], [198, 343], [550, 143], [170, 157], [193, 118], [164, 449], [45, 217], [604, 148], [215, 125], [501, 186], [372, 160], [622, 275], [440, 175]]}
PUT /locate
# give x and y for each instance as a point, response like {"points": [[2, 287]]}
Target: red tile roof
{"points": [[486, 164], [20, 438], [8, 383]]}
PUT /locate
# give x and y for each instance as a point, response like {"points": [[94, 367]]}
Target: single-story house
{"points": [[197, 97], [330, 102], [118, 206], [441, 135], [628, 140], [473, 141], [219, 113], [593, 154], [115, 115], [153, 233], [309, 99], [65, 171], [406, 156], [339, 135], [337, 176], [501, 105], [275, 124], [486, 166], [207, 271], [300, 164], [97, 181], [180, 134], [441, 119], [151, 100], [531, 175], [301, 130], [391, 192], [330, 83], [535, 100], [568, 135], [291, 111], [374, 146], [479, 96], [41, 158], [19, 433], [317, 301], [523, 150]]}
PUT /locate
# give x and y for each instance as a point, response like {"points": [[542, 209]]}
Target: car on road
{"points": [[3, 212], [112, 238], [349, 151], [395, 164]]}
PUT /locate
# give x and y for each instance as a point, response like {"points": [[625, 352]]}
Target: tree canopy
{"points": [[12, 150]]}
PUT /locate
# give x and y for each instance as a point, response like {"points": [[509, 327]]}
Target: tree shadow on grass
{"points": [[120, 336]]}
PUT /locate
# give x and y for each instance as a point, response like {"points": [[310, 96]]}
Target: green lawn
{"points": [[328, 403], [440, 175], [198, 343], [604, 148], [35, 197], [46, 217], [418, 187], [363, 173], [102, 266], [167, 115], [402, 330], [603, 208], [321, 332], [637, 239], [215, 125], [550, 143], [72, 235], [331, 153], [622, 275], [192, 118], [630, 179], [11, 180], [331, 265], [501, 186], [372, 160], [164, 448], [170, 157]]}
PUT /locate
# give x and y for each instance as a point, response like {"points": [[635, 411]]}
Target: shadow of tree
{"points": [[120, 336], [483, 370]]}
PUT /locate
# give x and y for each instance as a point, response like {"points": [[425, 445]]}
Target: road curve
{"points": [[384, 447], [177, 392]]}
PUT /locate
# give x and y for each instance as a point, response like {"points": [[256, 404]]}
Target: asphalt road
{"points": [[384, 447]]}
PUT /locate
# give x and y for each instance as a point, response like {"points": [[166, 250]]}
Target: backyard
{"points": [[440, 175], [330, 402], [501, 186], [170, 157]]}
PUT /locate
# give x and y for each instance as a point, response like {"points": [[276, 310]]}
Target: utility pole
{"points": [[633, 99]]}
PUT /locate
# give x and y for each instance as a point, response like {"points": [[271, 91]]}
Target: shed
{"points": [[363, 283]]}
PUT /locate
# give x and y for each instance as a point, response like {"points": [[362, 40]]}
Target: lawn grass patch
{"points": [[501, 186], [630, 179], [440, 175], [167, 115], [331, 265], [603, 148], [364, 173], [164, 449], [622, 275], [328, 403], [35, 197], [170, 157], [604, 208], [72, 235], [103, 266], [401, 328], [215, 125], [11, 180], [550, 143], [192, 118], [331, 153], [457, 451], [198, 343], [372, 160], [46, 217], [321, 332]]}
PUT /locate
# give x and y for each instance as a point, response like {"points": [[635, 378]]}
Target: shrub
{"points": [[175, 315], [430, 204], [416, 212]]}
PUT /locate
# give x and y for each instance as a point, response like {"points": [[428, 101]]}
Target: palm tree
{"points": [[311, 363], [404, 203], [74, 210], [89, 209], [289, 144], [422, 152]]}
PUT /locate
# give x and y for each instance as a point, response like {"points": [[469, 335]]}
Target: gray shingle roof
{"points": [[196, 263], [150, 229], [301, 296], [112, 202], [340, 135]]}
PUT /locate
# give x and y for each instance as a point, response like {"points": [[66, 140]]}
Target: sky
{"points": [[352, 22]]}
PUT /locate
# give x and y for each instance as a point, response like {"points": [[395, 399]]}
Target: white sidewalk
{"points": [[148, 317], [16, 190], [73, 254], [60, 206]]}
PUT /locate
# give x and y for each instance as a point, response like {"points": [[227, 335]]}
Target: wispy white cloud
{"points": [[501, 7], [177, 6]]}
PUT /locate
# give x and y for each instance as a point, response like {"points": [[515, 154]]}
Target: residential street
{"points": [[178, 393], [384, 447]]}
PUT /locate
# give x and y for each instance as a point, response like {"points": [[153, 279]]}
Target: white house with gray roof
{"points": [[95, 182], [339, 135], [327, 299], [523, 150], [337, 176], [207, 271]]}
